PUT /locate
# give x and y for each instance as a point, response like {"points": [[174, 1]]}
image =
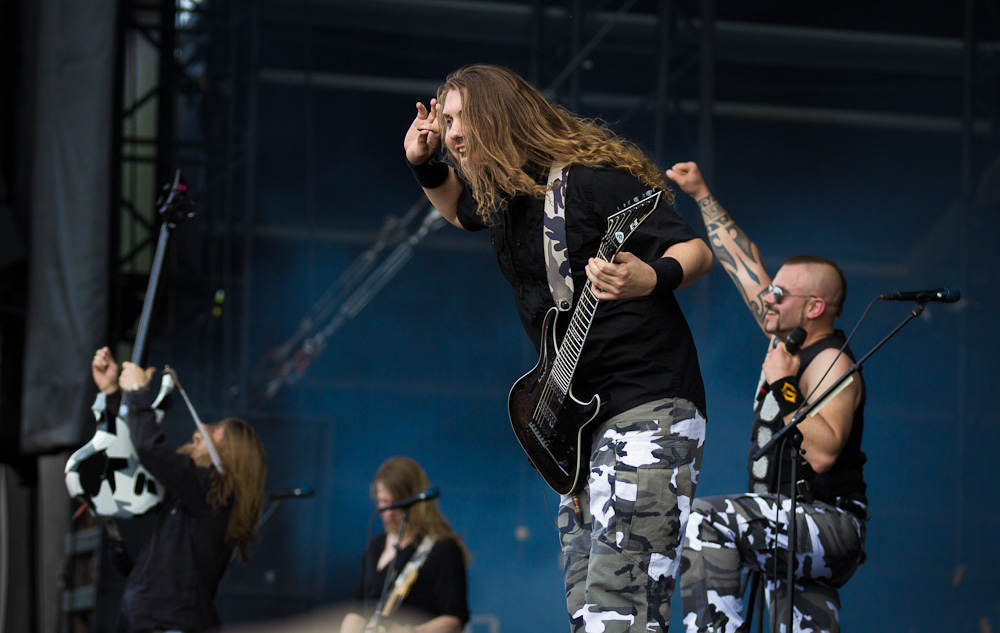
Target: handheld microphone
{"points": [[795, 340], [941, 295], [427, 495], [291, 493], [793, 344]]}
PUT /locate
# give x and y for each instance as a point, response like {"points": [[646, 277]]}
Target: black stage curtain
{"points": [[57, 66], [68, 66], [13, 245]]}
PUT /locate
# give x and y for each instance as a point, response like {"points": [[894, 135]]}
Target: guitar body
{"points": [[552, 431], [105, 473], [548, 420]]}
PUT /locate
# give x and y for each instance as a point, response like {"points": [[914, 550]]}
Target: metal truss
{"points": [[680, 44], [153, 77], [150, 79], [169, 104]]}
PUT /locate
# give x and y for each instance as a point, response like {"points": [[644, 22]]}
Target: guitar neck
{"points": [[142, 331], [564, 366], [173, 207], [620, 226]]}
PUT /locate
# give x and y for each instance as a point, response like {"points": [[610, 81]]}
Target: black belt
{"points": [[854, 507], [803, 491]]}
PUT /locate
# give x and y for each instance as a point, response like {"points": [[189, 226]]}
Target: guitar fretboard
{"points": [[620, 226]]}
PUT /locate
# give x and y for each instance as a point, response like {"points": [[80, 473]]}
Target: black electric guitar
{"points": [[105, 472], [549, 422]]}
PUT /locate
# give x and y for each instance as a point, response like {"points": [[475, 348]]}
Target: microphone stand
{"points": [[799, 416], [374, 622], [275, 500]]}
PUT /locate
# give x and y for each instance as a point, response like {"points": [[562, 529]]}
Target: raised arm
{"points": [[628, 276], [105, 371], [738, 255], [420, 143]]}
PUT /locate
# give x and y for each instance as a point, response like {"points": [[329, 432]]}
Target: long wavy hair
{"points": [[244, 469], [511, 131], [403, 477]]}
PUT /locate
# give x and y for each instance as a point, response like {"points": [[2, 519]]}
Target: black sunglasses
{"points": [[780, 293]]}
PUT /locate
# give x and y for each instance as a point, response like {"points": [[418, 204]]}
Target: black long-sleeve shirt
{"points": [[638, 349], [176, 575]]}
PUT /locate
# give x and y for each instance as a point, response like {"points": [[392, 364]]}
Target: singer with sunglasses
{"points": [[423, 560], [748, 531]]}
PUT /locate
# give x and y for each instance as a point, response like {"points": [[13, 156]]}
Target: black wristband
{"points": [[669, 275], [431, 173], [786, 393]]}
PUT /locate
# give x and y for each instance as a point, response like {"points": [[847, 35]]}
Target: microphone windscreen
{"points": [[795, 340], [950, 295]]}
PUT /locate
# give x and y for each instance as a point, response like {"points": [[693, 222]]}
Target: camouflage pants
{"points": [[728, 533], [621, 535]]}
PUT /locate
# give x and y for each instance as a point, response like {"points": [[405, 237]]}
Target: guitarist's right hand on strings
{"points": [[105, 371], [626, 277], [134, 378]]}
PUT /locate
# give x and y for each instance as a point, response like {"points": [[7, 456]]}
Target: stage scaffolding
{"points": [[190, 79]]}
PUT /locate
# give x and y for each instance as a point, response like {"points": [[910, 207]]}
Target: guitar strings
{"points": [[560, 370], [561, 367]]}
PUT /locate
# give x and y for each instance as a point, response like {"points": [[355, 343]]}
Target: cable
{"points": [[781, 448], [840, 352]]}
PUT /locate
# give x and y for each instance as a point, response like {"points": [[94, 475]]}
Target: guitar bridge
{"points": [[545, 437]]}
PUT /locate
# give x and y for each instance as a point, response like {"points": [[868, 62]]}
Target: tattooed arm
{"points": [[739, 256]]}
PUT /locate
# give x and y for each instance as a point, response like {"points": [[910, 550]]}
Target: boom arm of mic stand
{"points": [[271, 508], [839, 384]]}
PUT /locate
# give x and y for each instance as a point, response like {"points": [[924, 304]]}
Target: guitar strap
{"points": [[168, 372], [557, 269], [408, 575]]}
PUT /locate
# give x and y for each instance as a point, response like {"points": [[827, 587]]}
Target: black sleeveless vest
{"points": [[845, 479]]}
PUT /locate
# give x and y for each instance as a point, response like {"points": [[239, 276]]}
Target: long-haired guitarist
{"points": [[209, 510], [427, 591], [501, 138]]}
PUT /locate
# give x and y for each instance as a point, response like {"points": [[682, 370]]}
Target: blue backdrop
{"points": [[425, 368]]}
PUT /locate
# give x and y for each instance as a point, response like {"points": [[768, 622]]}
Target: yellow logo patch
{"points": [[789, 392]]}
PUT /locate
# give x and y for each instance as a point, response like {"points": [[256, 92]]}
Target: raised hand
{"points": [[423, 137], [688, 177], [134, 378], [105, 370]]}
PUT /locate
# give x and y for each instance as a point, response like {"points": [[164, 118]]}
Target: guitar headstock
{"points": [[625, 221], [174, 204]]}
